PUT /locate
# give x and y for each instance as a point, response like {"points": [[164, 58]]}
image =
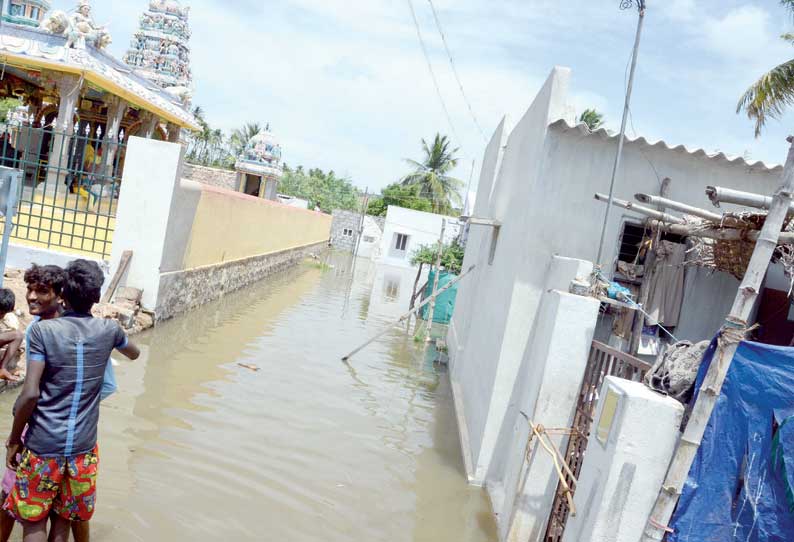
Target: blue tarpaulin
{"points": [[740, 484]]}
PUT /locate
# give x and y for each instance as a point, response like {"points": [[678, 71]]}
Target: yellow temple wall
{"points": [[231, 226]]}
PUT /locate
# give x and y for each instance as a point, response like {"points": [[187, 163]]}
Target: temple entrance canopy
{"points": [[79, 106]]}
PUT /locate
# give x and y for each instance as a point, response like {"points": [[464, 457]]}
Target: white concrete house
{"points": [[538, 179], [406, 230]]}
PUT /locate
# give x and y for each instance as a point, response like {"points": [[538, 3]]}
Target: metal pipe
{"points": [[678, 206], [718, 194], [653, 213], [621, 140]]}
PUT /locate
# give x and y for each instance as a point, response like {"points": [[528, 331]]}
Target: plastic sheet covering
{"points": [[740, 485]]}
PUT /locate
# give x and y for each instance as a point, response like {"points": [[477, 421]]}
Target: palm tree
{"points": [[241, 136], [431, 175], [592, 118], [774, 91]]}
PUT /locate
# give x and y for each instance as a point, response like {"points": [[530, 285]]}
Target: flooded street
{"points": [[197, 447]]}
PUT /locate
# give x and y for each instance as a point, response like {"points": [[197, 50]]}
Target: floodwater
{"points": [[196, 447]]}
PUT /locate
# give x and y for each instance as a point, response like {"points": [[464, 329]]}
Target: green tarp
{"points": [[445, 304]]}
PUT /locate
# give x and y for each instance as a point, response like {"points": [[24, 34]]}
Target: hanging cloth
{"points": [[666, 288]]}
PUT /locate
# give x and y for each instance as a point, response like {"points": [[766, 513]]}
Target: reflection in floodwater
{"points": [[195, 447]]}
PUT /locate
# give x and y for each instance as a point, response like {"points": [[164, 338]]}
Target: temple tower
{"points": [[27, 12], [159, 49]]}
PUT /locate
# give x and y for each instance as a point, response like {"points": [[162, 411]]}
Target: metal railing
{"points": [[70, 185], [603, 361]]}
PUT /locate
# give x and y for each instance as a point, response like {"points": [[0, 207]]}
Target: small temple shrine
{"points": [[259, 168], [159, 50]]}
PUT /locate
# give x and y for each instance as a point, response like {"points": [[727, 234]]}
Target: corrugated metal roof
{"points": [[583, 130]]}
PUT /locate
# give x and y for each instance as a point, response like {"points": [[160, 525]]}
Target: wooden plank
{"points": [[124, 264]]}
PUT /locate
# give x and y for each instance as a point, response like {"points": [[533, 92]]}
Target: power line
{"points": [[455, 70], [432, 73]]}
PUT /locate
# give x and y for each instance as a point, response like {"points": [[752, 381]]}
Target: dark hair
{"points": [[83, 287], [7, 300], [47, 275]]}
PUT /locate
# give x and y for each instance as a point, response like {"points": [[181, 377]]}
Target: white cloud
{"points": [[346, 87]]}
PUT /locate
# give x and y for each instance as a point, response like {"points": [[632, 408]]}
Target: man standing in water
{"points": [[67, 357]]}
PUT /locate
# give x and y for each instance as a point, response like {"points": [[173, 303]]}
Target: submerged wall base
{"points": [[181, 291]]}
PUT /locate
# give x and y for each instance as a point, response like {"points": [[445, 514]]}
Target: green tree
{"points": [[432, 177], [774, 91], [7, 105], [592, 118], [401, 196], [323, 190], [451, 256], [241, 136]]}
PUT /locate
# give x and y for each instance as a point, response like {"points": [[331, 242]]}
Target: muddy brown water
{"points": [[196, 447]]}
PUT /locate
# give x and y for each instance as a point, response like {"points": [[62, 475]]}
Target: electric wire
{"points": [[455, 70], [432, 72]]}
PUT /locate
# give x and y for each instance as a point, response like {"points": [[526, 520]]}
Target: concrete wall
{"points": [[222, 178], [542, 192], [420, 227], [625, 463], [192, 242]]}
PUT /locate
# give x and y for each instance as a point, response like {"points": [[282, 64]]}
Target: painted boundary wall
{"points": [[538, 180], [194, 242]]}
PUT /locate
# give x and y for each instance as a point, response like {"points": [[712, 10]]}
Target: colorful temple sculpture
{"points": [[27, 12], [78, 106], [160, 49], [259, 166]]}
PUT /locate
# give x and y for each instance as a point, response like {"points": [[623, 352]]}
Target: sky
{"points": [[345, 86]]}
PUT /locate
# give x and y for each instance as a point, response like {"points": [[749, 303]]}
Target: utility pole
{"points": [[361, 222], [432, 312], [733, 331], [626, 110], [466, 210]]}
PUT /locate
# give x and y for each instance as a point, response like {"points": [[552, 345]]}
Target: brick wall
{"points": [[222, 178]]}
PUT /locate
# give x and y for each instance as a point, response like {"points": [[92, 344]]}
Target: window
{"points": [[369, 239], [391, 288], [17, 10], [34, 13], [401, 242], [347, 232]]}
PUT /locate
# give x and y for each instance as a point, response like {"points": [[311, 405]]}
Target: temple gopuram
{"points": [[77, 107], [159, 50]]}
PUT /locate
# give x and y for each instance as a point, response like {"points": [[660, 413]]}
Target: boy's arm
{"points": [[130, 350], [23, 409], [124, 345]]}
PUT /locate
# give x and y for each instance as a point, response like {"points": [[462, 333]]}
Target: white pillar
{"points": [[117, 108], [630, 446], [550, 389], [68, 87], [151, 180]]}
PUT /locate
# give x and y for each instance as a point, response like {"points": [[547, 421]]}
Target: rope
{"points": [[560, 464]]}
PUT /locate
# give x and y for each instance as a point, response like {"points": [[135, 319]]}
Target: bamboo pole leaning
{"points": [[436, 276], [402, 318], [732, 333]]}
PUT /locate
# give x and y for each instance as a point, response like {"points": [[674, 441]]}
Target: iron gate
{"points": [[603, 361], [70, 185]]}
